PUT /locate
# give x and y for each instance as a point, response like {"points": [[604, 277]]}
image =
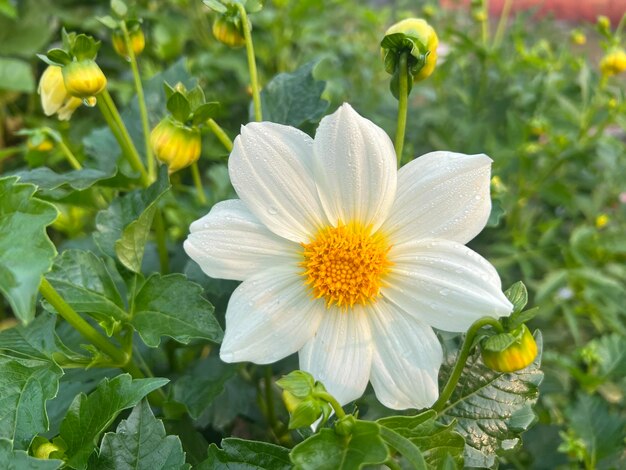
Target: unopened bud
{"points": [[227, 31], [578, 38], [83, 79], [425, 35], [175, 144], [519, 355], [137, 42], [613, 63]]}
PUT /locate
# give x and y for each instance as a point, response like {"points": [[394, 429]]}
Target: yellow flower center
{"points": [[346, 264]]}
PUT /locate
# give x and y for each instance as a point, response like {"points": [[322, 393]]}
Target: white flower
{"points": [[347, 260], [54, 95]]}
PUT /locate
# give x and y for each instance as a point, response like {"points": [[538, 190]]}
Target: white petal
{"points": [[231, 243], [441, 195], [340, 353], [270, 167], [269, 316], [355, 168], [444, 284], [407, 358]]}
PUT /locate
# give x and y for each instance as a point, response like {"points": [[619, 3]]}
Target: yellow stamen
{"points": [[346, 264]]}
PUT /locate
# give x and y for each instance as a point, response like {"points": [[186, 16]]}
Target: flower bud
{"points": [[226, 31], [578, 38], [137, 42], [84, 79], [518, 355], [425, 34], [613, 63], [39, 144], [54, 95], [175, 144]]}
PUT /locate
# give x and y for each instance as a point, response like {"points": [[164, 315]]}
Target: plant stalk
{"points": [[327, 397], [159, 228], [197, 181], [220, 134], [254, 80], [403, 101], [69, 155]]}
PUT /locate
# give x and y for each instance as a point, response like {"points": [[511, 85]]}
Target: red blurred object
{"points": [[571, 10]]}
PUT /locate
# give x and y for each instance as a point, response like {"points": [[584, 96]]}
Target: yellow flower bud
{"points": [[40, 145], [227, 32], [45, 449], [54, 96], [425, 33], [613, 63], [578, 38], [602, 220], [84, 79], [175, 144], [137, 41], [517, 356]]}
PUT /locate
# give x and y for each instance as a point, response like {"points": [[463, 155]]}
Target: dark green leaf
{"points": [[124, 227], [90, 415], [294, 98], [20, 460], [59, 56], [47, 179], [328, 450], [178, 105], [173, 306], [37, 341], [204, 112], [26, 252], [16, 75], [497, 212], [489, 405], [435, 441], [237, 454], [201, 384], [140, 443]]}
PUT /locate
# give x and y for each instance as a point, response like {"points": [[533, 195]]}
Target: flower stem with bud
{"points": [[220, 134], [197, 181], [69, 155], [254, 80], [403, 100]]}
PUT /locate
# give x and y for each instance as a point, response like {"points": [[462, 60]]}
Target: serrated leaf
{"points": [[611, 353], [486, 403], [204, 112], [37, 341], [178, 105], [25, 386], [26, 252], [90, 415], [123, 228], [47, 179], [140, 443], [517, 319], [173, 306], [518, 295], [20, 460], [499, 342], [327, 450], [435, 441], [88, 285], [294, 98], [239, 454], [201, 384]]}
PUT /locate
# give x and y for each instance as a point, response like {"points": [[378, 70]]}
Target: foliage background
{"points": [[529, 98]]}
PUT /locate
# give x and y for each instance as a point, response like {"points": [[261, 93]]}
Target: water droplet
{"points": [[90, 102], [272, 210]]}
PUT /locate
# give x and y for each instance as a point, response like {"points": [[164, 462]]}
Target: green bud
{"points": [[83, 79], [175, 144], [519, 354]]}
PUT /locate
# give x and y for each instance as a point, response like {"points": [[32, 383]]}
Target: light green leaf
{"points": [[119, 8], [124, 227], [238, 454], [20, 460], [178, 105], [204, 112], [435, 441], [489, 405], [201, 384], [46, 179], [173, 306], [327, 450], [25, 386], [611, 352], [26, 252], [140, 443], [8, 9], [16, 75], [88, 285], [294, 98], [518, 295], [90, 415]]}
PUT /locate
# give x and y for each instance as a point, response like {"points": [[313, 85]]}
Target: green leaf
{"points": [[123, 228], [173, 306], [518, 295], [16, 75], [88, 285], [20, 460], [90, 415], [58, 56], [294, 98], [435, 441], [611, 353], [140, 443], [119, 8], [8, 9], [328, 450], [37, 341], [178, 105], [501, 341], [28, 34], [215, 6], [238, 454], [201, 384], [85, 47], [25, 386], [204, 112], [26, 252], [48, 180], [196, 97], [491, 408]]}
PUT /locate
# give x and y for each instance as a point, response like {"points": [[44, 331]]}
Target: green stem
{"points": [[220, 134], [143, 111], [403, 100], [69, 155], [126, 142], [504, 17], [197, 181], [327, 397], [485, 23], [159, 228], [254, 81], [84, 328], [462, 358]]}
